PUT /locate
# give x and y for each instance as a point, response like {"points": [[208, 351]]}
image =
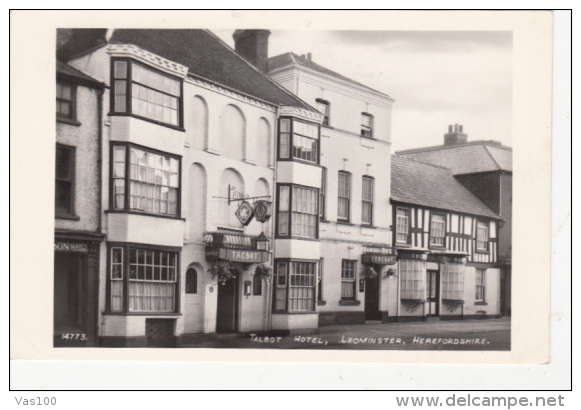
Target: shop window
{"points": [[366, 125], [257, 285], [482, 236], [368, 184], [402, 225], [146, 93], [297, 212], [453, 281], [412, 279], [324, 108], [142, 280], [151, 183], [344, 196], [298, 140], [480, 285], [438, 230], [191, 281], [348, 282], [65, 100], [297, 294], [65, 181]]}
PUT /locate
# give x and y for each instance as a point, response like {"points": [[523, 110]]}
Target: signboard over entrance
{"points": [[237, 255], [378, 259]]}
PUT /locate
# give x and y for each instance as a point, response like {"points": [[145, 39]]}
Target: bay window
{"points": [[482, 236], [298, 140], [344, 196], [453, 281], [412, 279], [142, 280], [145, 181], [438, 230], [145, 92], [402, 225], [295, 286], [297, 213]]}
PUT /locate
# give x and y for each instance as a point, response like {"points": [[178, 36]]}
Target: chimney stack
{"points": [[455, 135], [252, 45]]}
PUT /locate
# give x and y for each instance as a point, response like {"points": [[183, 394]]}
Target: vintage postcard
{"points": [[287, 186]]}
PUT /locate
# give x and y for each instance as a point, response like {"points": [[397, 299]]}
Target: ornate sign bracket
{"points": [[237, 196]]}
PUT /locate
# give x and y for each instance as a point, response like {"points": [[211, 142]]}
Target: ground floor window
{"points": [[142, 280], [480, 285], [453, 281], [412, 279], [295, 286], [348, 279]]}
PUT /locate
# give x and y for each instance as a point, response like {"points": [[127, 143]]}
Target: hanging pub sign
{"points": [[262, 210], [244, 213]]}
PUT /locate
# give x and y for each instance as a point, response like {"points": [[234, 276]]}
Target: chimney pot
{"points": [[252, 45], [455, 135], [450, 128], [309, 56]]}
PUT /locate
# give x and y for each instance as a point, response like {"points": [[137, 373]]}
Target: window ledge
{"points": [[481, 303], [69, 121], [168, 314], [457, 301], [321, 302], [68, 216], [163, 124], [121, 211], [348, 302], [344, 222], [368, 226], [413, 300]]}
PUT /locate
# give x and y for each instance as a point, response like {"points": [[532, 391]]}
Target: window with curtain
{"points": [[482, 237], [149, 277], [146, 92], [153, 183], [453, 281], [438, 230], [412, 279], [367, 200], [344, 196], [298, 140], [297, 211], [402, 225], [480, 285], [295, 286], [348, 282]]}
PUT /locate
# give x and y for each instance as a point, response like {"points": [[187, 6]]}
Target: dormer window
{"points": [[366, 125], [146, 93], [323, 107]]}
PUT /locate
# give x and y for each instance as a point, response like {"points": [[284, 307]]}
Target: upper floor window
{"points": [[298, 140], [65, 100], [366, 125], [322, 193], [482, 236], [402, 225], [323, 107], [146, 93], [438, 230], [297, 211], [367, 200], [65, 181], [344, 196], [145, 181]]}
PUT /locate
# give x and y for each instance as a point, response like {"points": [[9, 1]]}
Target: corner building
{"points": [[337, 246], [190, 133]]}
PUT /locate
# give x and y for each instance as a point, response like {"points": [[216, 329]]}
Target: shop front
{"points": [[376, 261], [76, 273]]}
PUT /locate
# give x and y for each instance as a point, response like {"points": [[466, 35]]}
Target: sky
{"points": [[437, 78]]}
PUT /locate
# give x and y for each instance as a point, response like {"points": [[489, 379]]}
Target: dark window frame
{"points": [[191, 281], [327, 115], [291, 135], [73, 102], [257, 285], [70, 212], [290, 234], [128, 91], [127, 178], [287, 285], [127, 246], [349, 198], [367, 129]]}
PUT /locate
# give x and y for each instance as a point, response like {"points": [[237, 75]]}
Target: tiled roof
{"points": [[472, 157], [208, 57], [288, 59], [419, 183], [68, 71]]}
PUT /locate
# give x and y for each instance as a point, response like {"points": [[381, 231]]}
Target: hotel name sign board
{"points": [[79, 247], [378, 259], [237, 255]]}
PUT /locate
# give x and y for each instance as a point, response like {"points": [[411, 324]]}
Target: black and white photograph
{"points": [[257, 188]]}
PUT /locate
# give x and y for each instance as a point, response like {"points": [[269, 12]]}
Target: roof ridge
{"points": [[422, 162], [492, 157], [258, 71], [470, 143]]}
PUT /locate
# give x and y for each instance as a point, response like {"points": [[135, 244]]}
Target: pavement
{"points": [[476, 334]]}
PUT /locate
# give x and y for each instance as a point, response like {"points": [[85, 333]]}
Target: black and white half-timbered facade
{"points": [[447, 244]]}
